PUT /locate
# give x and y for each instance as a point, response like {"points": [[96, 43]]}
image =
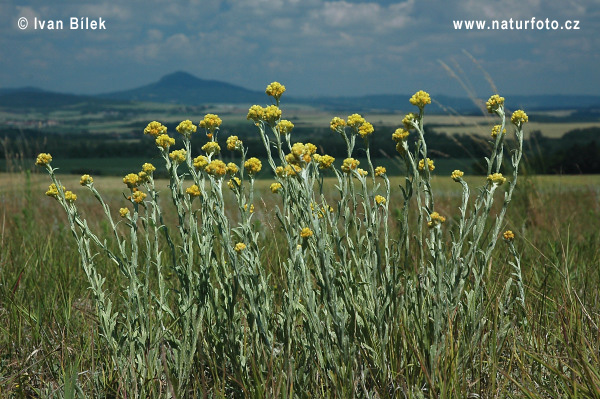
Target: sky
{"points": [[313, 47]]}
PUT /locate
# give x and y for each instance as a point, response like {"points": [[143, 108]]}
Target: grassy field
{"points": [[49, 338]]}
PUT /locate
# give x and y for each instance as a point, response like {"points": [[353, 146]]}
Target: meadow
{"points": [[520, 320]]}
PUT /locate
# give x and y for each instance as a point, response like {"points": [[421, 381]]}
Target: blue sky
{"points": [[313, 47]]}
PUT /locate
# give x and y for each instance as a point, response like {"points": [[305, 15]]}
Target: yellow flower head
{"points": [[430, 165], [349, 164], [365, 130], [306, 232], [380, 200], [496, 131], [310, 148], [138, 197], [70, 196], [164, 141], [457, 175], [355, 120], [232, 168], [337, 124], [132, 180], [53, 190], [409, 120], [275, 187], [86, 180], [324, 161], [420, 99], [123, 212], [148, 168], [519, 117], [256, 113], [200, 162], [494, 103], [362, 172], [251, 208], [509, 235], [380, 171], [43, 159], [400, 135], [178, 156], [212, 147], [496, 178], [155, 129], [275, 90], [239, 247], [253, 166], [186, 128], [272, 114], [216, 168], [234, 183], [143, 176], [234, 143], [285, 127], [435, 219], [193, 191], [211, 122]]}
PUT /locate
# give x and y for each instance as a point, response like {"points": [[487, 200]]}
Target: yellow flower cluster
{"points": [[494, 103], [148, 168], [435, 219], [155, 129], [380, 171], [400, 135], [301, 153], [193, 191], [132, 180], [216, 168], [138, 197], [251, 208], [275, 90], [496, 131], [178, 156], [457, 175], [123, 212], [496, 178], [365, 130], [285, 127], [234, 143], [232, 168], [430, 164], [186, 128], [337, 124], [210, 122], [508, 235], [380, 200], [86, 180], [272, 113], [200, 162], [256, 113], [362, 172], [70, 196], [409, 120], [349, 164], [275, 187], [253, 166], [420, 99], [239, 247], [234, 183], [519, 117], [324, 161], [289, 170], [164, 141], [306, 232], [43, 159], [53, 190], [212, 147], [355, 120]]}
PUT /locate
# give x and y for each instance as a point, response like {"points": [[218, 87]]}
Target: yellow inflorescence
{"points": [[211, 122], [400, 135], [193, 191], [380, 200], [139, 197], [239, 247], [85, 180], [234, 183], [324, 161], [275, 187], [216, 168], [272, 113], [123, 212], [355, 120], [420, 99], [496, 178], [494, 103], [380, 171], [496, 131], [435, 219], [132, 180], [457, 175], [164, 141], [43, 159], [337, 124], [285, 127], [409, 120], [519, 117], [253, 166], [509, 235], [234, 143], [53, 190], [306, 232], [275, 90], [362, 172], [155, 129], [251, 208], [232, 168], [365, 129], [148, 168], [212, 147], [178, 156], [256, 113], [186, 128], [349, 164], [70, 196], [430, 164]]}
